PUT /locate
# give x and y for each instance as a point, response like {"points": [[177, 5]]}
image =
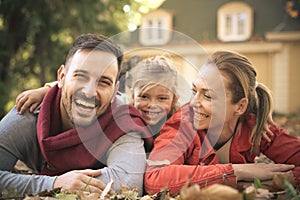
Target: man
{"points": [[78, 138]]}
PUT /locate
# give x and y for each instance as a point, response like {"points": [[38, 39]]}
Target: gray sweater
{"points": [[125, 159]]}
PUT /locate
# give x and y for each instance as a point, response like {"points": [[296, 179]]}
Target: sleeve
{"points": [[25, 183], [18, 142], [283, 148], [126, 162], [174, 162], [50, 84]]}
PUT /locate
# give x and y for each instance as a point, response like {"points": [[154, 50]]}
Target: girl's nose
{"points": [[152, 103]]}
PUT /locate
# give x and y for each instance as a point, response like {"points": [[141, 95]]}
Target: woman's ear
{"points": [[61, 73], [241, 106]]}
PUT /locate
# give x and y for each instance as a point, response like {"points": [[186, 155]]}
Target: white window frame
{"points": [[235, 22], [155, 28]]}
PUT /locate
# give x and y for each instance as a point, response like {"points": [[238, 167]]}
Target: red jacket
{"points": [[191, 156]]}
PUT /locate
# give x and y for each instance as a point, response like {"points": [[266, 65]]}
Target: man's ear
{"points": [[241, 106], [131, 95], [115, 91], [61, 73]]}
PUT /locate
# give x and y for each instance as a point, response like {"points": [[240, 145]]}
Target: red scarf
{"points": [[82, 148]]}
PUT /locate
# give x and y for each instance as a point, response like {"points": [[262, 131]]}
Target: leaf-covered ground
{"points": [[289, 122]]}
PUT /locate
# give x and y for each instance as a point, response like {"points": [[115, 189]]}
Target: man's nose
{"points": [[90, 89]]}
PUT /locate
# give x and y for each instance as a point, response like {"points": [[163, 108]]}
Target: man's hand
{"points": [[80, 180]]}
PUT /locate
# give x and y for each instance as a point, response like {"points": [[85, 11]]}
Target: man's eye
{"points": [[105, 83], [81, 76]]}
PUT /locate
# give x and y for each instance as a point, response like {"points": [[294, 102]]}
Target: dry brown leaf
{"points": [[190, 193], [218, 191], [278, 180]]}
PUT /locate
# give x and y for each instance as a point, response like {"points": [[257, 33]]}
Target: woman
{"points": [[216, 137]]}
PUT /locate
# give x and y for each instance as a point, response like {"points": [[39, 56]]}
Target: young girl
{"points": [[154, 92], [216, 137]]}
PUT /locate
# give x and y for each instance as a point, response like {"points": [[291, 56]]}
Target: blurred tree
{"points": [[292, 7], [36, 35]]}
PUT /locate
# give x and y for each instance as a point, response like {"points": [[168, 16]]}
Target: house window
{"points": [[156, 28], [235, 22]]}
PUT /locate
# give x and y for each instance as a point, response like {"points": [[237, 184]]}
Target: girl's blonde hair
{"points": [[153, 71], [243, 83]]}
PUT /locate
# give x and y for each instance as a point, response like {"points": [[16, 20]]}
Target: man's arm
{"points": [[126, 161], [24, 183], [18, 142]]}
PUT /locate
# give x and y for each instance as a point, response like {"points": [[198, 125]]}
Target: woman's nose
{"points": [[196, 100]]}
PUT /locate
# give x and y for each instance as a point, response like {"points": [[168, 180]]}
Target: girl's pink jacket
{"points": [[182, 154]]}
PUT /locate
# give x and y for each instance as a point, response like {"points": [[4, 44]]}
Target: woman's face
{"points": [[154, 103], [211, 101]]}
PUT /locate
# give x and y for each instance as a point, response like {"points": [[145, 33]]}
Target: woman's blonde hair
{"points": [[242, 76]]}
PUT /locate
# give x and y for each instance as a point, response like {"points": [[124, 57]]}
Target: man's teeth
{"points": [[151, 113], [84, 103]]}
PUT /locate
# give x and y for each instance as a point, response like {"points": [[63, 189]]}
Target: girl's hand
{"points": [[30, 99]]}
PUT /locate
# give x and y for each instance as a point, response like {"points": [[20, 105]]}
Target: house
{"points": [[266, 31]]}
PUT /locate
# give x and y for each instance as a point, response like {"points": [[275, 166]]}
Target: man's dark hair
{"points": [[96, 42]]}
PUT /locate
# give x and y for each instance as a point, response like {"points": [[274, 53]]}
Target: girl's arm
{"points": [[32, 98]]}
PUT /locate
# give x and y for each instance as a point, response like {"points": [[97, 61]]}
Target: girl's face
{"points": [[154, 103], [211, 103]]}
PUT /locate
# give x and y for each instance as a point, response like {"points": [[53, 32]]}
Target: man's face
{"points": [[88, 85]]}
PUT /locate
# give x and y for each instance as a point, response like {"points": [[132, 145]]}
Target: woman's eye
{"points": [[207, 96], [194, 91]]}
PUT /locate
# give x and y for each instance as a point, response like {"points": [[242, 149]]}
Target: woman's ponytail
{"points": [[264, 109]]}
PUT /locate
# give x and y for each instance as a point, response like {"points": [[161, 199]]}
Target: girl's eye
{"points": [[143, 96], [163, 98]]}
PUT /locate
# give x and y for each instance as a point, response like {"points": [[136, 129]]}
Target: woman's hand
{"points": [[267, 132], [262, 171]]}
